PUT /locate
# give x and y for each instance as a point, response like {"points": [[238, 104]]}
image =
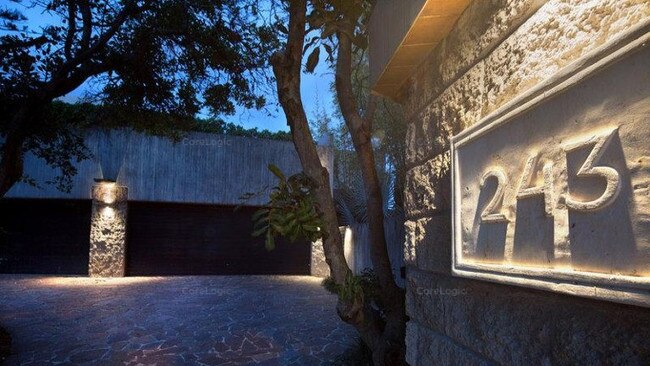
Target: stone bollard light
{"points": [[108, 230]]}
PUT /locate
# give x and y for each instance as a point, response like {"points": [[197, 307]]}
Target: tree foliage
{"points": [[292, 210], [170, 58], [221, 127], [388, 125]]}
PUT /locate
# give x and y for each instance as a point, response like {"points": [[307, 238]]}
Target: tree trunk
{"points": [[11, 163], [287, 67], [392, 350], [382, 331]]}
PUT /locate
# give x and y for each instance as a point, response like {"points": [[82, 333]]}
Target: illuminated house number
{"points": [[493, 210]]}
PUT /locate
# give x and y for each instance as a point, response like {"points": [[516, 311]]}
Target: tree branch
{"points": [[76, 78], [360, 131], [287, 68], [130, 8], [72, 29], [15, 43], [86, 15], [343, 82]]}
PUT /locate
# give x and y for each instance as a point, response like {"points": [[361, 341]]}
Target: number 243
{"points": [[492, 211]]}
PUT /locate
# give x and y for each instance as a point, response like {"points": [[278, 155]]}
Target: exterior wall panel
{"points": [[497, 51], [200, 168]]}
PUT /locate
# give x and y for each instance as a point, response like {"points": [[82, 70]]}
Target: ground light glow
{"points": [[94, 281], [301, 279]]}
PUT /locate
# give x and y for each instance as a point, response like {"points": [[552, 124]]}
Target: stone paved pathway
{"points": [[252, 320]]}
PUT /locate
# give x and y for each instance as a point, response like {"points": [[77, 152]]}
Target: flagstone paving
{"points": [[208, 320]]}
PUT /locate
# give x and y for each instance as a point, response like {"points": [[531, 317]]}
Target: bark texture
{"points": [[382, 328], [287, 68], [390, 349]]}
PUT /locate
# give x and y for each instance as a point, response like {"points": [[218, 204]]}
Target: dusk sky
{"points": [[316, 91], [316, 94]]}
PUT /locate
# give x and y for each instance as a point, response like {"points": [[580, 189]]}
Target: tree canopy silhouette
{"points": [[171, 58]]}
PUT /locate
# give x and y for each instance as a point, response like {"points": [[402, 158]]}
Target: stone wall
{"points": [[107, 257], [498, 50]]}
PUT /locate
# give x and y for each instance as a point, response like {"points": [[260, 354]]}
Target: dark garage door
{"points": [[184, 239], [44, 236]]}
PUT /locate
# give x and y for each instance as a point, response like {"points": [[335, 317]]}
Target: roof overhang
{"points": [[402, 34]]}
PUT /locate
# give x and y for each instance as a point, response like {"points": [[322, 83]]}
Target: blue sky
{"points": [[315, 87], [316, 94]]}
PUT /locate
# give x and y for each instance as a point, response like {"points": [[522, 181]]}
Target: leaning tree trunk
{"points": [[381, 330], [392, 348], [11, 163], [287, 68]]}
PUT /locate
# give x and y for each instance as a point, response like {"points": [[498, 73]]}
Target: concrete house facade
{"points": [[527, 195], [150, 206]]}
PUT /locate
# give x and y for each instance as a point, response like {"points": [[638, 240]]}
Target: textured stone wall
{"points": [[455, 319], [318, 266], [498, 50], [108, 231]]}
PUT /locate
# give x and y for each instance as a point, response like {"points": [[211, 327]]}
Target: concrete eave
{"points": [[430, 26]]}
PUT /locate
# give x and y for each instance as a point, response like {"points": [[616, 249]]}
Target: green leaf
{"points": [[312, 60], [279, 229], [309, 44], [330, 52], [270, 242], [282, 28], [259, 214], [311, 228], [260, 223], [292, 211], [277, 172], [261, 231]]}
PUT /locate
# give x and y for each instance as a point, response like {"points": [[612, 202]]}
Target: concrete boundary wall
{"points": [[200, 168]]}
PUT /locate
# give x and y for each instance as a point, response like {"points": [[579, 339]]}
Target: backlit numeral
{"points": [[590, 169], [491, 213], [546, 189], [529, 188]]}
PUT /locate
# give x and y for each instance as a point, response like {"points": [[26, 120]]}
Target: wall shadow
{"points": [[602, 240], [491, 236], [491, 242], [534, 232]]}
